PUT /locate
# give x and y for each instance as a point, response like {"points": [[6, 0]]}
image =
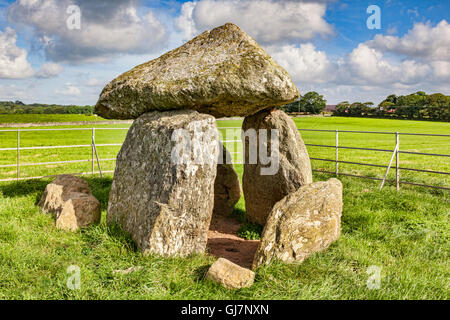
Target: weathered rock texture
{"points": [[222, 72], [306, 221], [227, 189], [261, 192], [70, 200], [164, 204], [230, 275]]}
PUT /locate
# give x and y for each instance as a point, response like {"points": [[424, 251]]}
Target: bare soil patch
{"points": [[224, 242]]}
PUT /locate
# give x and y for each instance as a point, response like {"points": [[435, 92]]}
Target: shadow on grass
{"points": [[24, 188], [98, 235], [200, 273], [100, 188], [239, 214]]}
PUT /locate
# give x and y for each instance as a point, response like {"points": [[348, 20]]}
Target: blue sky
{"points": [[325, 45]]}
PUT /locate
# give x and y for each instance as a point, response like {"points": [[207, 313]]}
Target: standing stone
{"points": [[70, 200], [306, 221], [222, 72], [262, 191], [227, 189], [162, 193], [230, 275]]}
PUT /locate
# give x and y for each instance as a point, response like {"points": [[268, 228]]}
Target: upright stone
{"points": [[162, 193], [292, 170], [306, 221], [227, 189], [222, 72]]}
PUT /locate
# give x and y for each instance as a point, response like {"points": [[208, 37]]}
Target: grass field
{"points": [[405, 233], [42, 118], [439, 145]]}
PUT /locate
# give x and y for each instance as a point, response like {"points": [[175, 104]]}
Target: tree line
{"points": [[415, 106], [18, 107]]}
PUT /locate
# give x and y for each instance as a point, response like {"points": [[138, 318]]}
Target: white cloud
{"points": [[422, 41], [49, 70], [68, 90], [268, 21], [441, 70], [368, 64], [11, 92], [107, 28], [304, 63], [13, 60], [185, 22], [94, 82], [422, 55]]}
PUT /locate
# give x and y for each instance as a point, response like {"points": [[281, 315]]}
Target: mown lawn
{"points": [[42, 118], [405, 233], [439, 145]]}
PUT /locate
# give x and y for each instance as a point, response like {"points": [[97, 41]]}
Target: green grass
{"points": [[42, 118], [250, 231], [57, 138], [437, 145], [405, 232]]}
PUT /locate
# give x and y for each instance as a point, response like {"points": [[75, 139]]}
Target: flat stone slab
{"points": [[222, 72]]}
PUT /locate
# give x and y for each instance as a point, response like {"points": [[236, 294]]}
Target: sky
{"points": [[66, 51]]}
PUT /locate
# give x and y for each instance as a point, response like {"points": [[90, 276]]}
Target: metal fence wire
{"points": [[395, 154]]}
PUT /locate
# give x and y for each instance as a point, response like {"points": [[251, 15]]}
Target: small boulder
{"points": [[230, 275], [306, 221], [222, 72], [227, 188], [70, 200], [79, 211], [262, 191]]}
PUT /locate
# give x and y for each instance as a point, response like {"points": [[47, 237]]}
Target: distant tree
{"points": [[342, 108], [18, 107], [417, 105], [312, 102], [290, 107]]}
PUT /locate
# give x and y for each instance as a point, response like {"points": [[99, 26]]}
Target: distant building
{"points": [[330, 108]]}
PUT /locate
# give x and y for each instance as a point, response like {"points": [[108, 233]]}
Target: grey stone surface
{"points": [[306, 221], [230, 275], [261, 192], [222, 72], [165, 205], [69, 199], [227, 188]]}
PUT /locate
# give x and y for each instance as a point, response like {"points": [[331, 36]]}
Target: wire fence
{"points": [[96, 161], [395, 154]]}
